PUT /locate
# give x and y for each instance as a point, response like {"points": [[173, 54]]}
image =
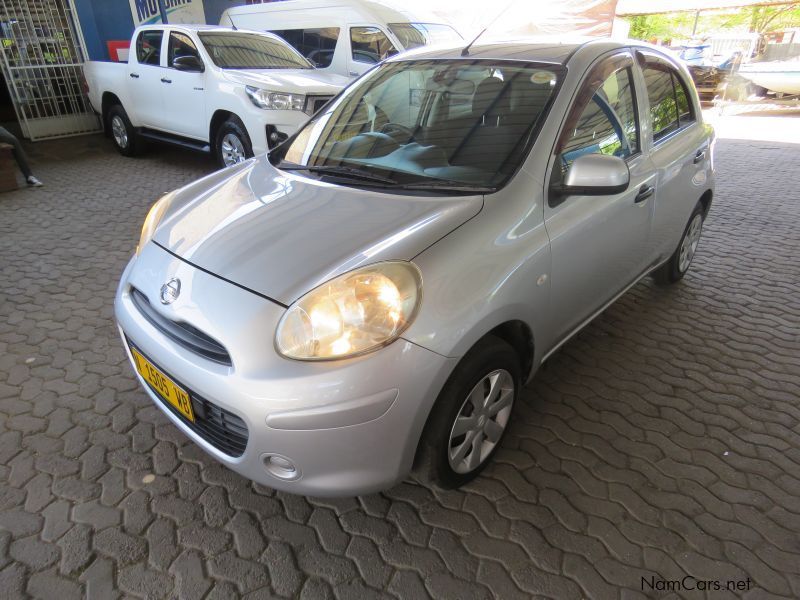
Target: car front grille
{"points": [[182, 333], [217, 426], [315, 103]]}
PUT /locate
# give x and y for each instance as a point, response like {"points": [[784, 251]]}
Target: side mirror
{"points": [[189, 63], [596, 175]]}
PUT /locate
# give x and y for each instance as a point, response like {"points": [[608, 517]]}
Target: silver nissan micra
{"points": [[371, 296]]}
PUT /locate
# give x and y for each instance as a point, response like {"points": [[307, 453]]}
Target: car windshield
{"points": [[251, 51], [464, 122], [414, 35]]}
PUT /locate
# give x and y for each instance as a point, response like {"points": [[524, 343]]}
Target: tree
{"points": [[756, 19]]}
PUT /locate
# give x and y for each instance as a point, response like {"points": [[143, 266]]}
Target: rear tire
{"points": [[232, 144], [678, 264], [470, 416], [123, 133]]}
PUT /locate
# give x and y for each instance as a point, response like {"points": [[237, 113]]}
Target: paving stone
{"points": [[75, 549], [49, 584], [191, 582], [120, 546]]}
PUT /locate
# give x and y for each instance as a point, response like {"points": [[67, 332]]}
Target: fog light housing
{"points": [[280, 466], [275, 137]]}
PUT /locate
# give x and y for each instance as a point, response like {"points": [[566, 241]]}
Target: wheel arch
{"points": [[705, 200], [108, 100], [217, 119]]}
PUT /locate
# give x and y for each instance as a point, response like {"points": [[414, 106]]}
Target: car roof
{"points": [[197, 27], [532, 49]]}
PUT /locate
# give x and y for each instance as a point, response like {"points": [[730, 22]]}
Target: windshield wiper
{"points": [[348, 172]]}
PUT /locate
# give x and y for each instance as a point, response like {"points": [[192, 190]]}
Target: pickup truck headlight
{"points": [[353, 314], [151, 221], [275, 100]]}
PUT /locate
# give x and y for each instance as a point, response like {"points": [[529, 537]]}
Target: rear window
{"points": [[317, 45], [148, 47], [370, 45], [670, 108], [415, 35]]}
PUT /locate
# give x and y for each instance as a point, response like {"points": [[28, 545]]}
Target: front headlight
{"points": [[151, 221], [275, 100], [352, 314]]}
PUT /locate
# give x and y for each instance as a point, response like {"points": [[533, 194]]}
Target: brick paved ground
{"points": [[662, 441]]}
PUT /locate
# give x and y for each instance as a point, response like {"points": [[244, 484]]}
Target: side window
{"points": [[180, 44], [148, 47], [685, 112], [317, 45], [370, 45], [670, 107], [603, 119], [663, 106]]}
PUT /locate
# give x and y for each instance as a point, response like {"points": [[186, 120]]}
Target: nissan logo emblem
{"points": [[170, 291]]}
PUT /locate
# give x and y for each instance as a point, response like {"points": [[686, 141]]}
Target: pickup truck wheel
{"points": [[122, 131], [678, 264], [470, 415], [233, 144]]}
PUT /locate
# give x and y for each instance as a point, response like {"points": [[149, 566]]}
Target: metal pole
{"points": [[694, 29], [163, 9]]}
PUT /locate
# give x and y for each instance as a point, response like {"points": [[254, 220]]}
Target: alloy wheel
{"points": [[690, 242], [119, 131], [232, 150], [481, 421]]}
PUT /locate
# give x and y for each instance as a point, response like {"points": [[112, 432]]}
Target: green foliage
{"points": [[757, 19]]}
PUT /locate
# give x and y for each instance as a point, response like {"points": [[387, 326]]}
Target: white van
{"points": [[346, 37]]}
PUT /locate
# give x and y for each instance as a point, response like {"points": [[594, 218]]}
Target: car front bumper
{"points": [[346, 427]]}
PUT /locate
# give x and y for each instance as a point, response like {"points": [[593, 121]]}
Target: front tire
{"points": [[678, 264], [232, 144], [123, 133], [470, 416]]}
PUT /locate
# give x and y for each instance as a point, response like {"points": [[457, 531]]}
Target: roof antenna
{"points": [[465, 51]]}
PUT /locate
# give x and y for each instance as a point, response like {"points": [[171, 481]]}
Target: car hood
{"points": [[298, 81], [281, 234]]}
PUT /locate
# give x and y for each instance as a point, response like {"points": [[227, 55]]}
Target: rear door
{"points": [[680, 149], [144, 76], [182, 92], [599, 243]]}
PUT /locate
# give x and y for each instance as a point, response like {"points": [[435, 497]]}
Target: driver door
{"points": [[182, 92], [598, 243]]}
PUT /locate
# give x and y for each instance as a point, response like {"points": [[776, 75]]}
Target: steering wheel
{"points": [[398, 132]]}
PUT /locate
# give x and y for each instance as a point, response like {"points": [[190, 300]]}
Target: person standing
{"points": [[6, 137]]}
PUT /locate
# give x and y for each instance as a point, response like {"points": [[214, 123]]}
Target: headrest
{"points": [[488, 100]]}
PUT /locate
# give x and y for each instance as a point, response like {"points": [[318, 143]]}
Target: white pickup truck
{"points": [[232, 92]]}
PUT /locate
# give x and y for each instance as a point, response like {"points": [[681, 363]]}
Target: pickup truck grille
{"points": [[314, 103]]}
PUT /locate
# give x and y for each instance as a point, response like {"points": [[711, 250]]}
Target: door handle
{"points": [[134, 75], [644, 193], [165, 80], [700, 156]]}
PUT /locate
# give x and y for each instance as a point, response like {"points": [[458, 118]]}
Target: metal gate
{"points": [[42, 63]]}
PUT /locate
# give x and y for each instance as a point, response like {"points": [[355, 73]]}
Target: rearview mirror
{"points": [[596, 175], [188, 63]]}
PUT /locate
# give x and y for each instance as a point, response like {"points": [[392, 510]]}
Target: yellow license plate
{"points": [[165, 387]]}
